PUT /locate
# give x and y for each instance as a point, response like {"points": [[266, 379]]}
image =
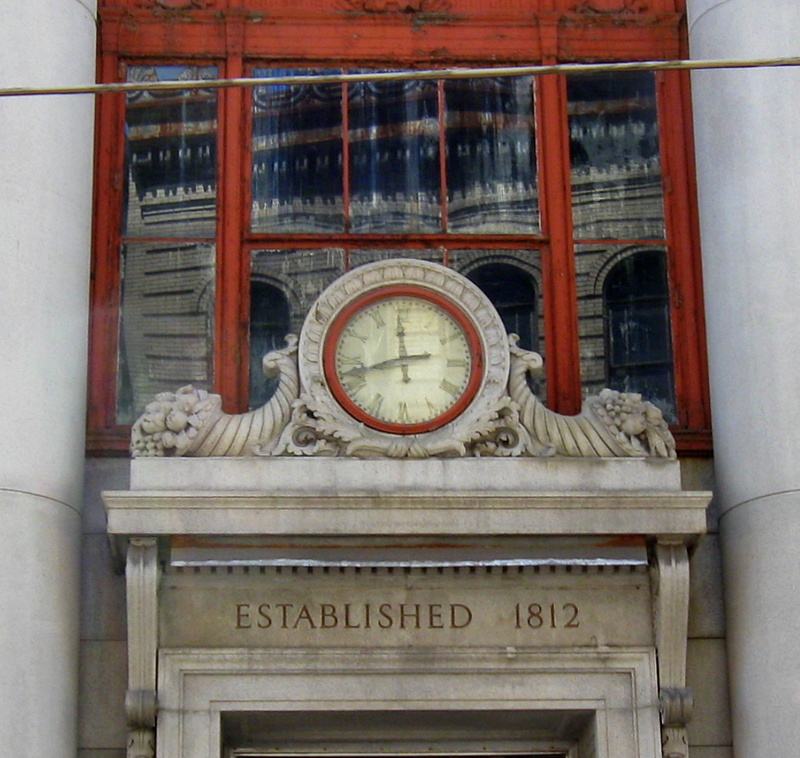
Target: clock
{"points": [[403, 359], [399, 358]]}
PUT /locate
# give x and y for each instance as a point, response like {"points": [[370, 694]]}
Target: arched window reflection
{"points": [[638, 342], [514, 294], [269, 325]]}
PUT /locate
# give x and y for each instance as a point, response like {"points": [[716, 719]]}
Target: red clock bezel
{"points": [[334, 332]]}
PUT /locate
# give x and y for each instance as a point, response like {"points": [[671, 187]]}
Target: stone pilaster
{"points": [[747, 129], [45, 220]]}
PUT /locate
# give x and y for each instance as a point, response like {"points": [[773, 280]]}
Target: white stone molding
{"points": [[303, 418], [671, 610], [329, 496], [142, 574], [609, 689], [615, 689]]}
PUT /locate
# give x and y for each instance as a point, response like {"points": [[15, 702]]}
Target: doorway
{"points": [[403, 734]]}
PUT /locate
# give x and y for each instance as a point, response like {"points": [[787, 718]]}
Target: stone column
{"points": [[747, 128], [46, 146]]}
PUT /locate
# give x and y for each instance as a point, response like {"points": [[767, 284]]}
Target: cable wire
{"points": [[405, 75]]}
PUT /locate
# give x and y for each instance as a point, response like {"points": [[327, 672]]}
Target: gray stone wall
{"points": [[707, 662], [103, 660]]}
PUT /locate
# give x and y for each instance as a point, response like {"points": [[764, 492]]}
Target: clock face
{"points": [[403, 359]]}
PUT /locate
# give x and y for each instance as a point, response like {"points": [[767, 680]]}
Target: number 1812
{"points": [[549, 616]]}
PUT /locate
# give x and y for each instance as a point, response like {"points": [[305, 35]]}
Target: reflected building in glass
{"points": [[366, 171], [168, 245], [619, 231]]}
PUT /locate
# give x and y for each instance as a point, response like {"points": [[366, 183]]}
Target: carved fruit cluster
{"points": [[170, 423], [634, 421]]}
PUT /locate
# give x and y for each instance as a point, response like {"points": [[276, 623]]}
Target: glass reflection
{"points": [[394, 157], [360, 257], [269, 324], [511, 279], [616, 166], [491, 156], [624, 323], [171, 156], [166, 324], [283, 286], [297, 156]]}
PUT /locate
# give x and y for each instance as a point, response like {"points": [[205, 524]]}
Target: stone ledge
{"points": [[433, 475], [666, 515]]}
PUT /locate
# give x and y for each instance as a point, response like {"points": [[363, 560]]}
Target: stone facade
{"points": [[232, 563], [746, 135]]}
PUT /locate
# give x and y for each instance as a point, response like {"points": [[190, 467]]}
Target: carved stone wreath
{"points": [[320, 424]]}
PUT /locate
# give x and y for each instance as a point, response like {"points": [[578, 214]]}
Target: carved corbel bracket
{"points": [[141, 574], [671, 619]]}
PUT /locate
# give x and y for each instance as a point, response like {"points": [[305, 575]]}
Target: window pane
{"points": [[269, 324], [359, 257], [491, 156], [512, 281], [616, 165], [283, 286], [297, 156], [171, 156], [394, 157], [166, 331], [623, 309], [637, 332]]}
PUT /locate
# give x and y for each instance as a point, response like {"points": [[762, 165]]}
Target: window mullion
{"points": [[558, 261], [106, 273], [686, 311], [232, 286], [346, 153]]}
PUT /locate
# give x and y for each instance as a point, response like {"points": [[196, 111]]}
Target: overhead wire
{"points": [[403, 75]]}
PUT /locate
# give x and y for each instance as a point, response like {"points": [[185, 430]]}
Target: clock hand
{"points": [[401, 347], [402, 360]]}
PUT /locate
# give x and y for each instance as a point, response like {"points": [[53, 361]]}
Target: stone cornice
{"points": [[162, 513]]}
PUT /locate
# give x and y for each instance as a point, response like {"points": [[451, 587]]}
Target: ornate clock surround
{"points": [[443, 286]]}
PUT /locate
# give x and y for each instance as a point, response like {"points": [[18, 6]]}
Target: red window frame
{"points": [[237, 35]]}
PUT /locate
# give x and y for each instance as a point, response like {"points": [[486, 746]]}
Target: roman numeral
{"points": [[374, 406], [402, 414], [449, 387], [377, 318], [354, 384]]}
